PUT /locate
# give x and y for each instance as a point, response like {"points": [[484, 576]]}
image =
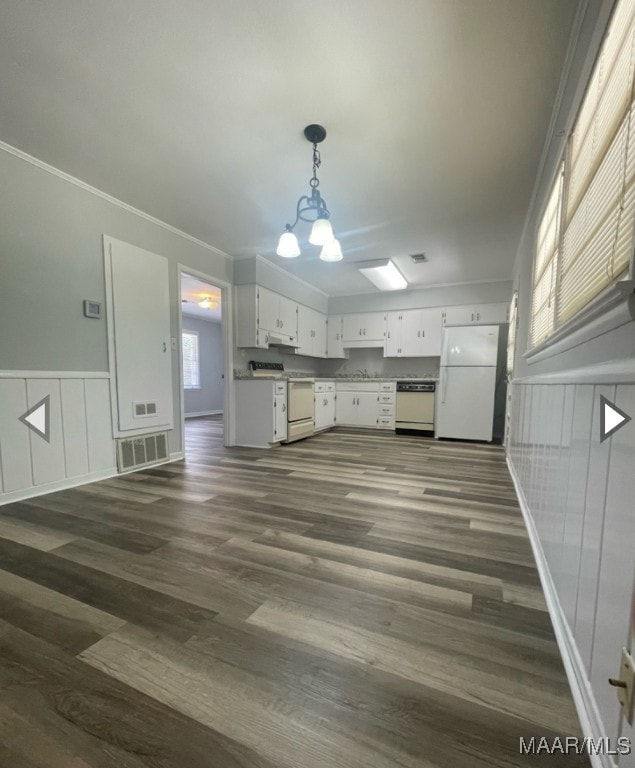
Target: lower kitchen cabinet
{"points": [[324, 405], [261, 412], [365, 404]]}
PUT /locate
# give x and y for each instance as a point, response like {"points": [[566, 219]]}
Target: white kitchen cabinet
{"points": [[324, 405], [311, 332], [365, 404], [263, 317], [261, 412], [334, 345], [365, 329], [413, 333], [393, 334], [479, 314]]}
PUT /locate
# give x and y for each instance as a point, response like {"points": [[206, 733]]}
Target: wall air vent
{"points": [[136, 452], [418, 258]]}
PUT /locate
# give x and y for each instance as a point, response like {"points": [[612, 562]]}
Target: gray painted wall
{"points": [[51, 259], [210, 397], [440, 296]]}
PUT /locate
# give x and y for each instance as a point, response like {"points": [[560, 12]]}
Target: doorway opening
{"points": [[202, 366]]}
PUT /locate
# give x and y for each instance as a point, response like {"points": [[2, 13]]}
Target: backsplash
{"points": [[369, 361]]}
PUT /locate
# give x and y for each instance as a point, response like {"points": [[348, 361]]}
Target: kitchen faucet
{"points": [[363, 374]]}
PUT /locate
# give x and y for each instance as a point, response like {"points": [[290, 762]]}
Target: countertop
{"points": [[297, 377]]}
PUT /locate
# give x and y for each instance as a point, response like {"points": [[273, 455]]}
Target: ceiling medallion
{"points": [[312, 209]]}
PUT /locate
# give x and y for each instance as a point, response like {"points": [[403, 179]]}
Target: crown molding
{"points": [[283, 271]]}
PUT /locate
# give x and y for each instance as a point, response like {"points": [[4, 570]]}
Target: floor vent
{"points": [[135, 452]]}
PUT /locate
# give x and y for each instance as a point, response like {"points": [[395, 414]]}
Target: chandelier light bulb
{"points": [[331, 251], [288, 246], [321, 232]]}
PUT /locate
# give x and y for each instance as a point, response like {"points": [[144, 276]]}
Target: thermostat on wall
{"points": [[92, 308]]}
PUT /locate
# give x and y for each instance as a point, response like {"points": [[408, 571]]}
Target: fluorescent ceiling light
{"points": [[385, 275]]}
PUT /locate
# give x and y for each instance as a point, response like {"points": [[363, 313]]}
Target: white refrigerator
{"points": [[465, 400]]}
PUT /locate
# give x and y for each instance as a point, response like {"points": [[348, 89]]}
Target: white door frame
{"points": [[227, 326]]}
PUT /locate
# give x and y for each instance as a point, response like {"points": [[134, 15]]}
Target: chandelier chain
{"points": [[317, 162]]}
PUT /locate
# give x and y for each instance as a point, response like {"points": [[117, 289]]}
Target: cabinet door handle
{"points": [[478, 315], [423, 333], [388, 334], [418, 334], [284, 407], [360, 331], [165, 347], [472, 316], [364, 331]]}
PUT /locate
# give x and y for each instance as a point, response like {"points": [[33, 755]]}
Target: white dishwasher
{"points": [[415, 406], [300, 409]]}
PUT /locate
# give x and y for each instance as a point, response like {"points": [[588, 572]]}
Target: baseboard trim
{"points": [[583, 697], [202, 413], [57, 485]]}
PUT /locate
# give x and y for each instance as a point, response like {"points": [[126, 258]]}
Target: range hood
{"points": [[278, 340]]}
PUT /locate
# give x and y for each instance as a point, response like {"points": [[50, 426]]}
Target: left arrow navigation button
{"points": [[38, 418]]}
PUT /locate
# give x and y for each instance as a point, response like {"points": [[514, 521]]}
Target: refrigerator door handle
{"points": [[444, 383], [444, 351]]}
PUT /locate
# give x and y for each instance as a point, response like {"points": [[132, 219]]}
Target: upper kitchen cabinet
{"points": [[480, 314], [335, 340], [413, 333], [365, 329], [311, 332], [264, 318]]}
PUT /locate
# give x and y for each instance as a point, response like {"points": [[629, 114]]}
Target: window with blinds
{"points": [[511, 338], [586, 244], [546, 265], [191, 367]]}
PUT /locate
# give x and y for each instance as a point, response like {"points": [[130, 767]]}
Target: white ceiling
{"points": [[193, 291], [436, 112]]}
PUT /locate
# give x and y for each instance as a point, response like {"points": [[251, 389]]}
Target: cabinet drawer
{"points": [[357, 386], [320, 386], [385, 398], [330, 386], [387, 410], [387, 422], [387, 386], [280, 387]]}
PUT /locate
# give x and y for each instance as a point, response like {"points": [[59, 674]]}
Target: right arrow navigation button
{"points": [[612, 418]]}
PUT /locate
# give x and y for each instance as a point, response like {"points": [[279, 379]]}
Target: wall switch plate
{"points": [[625, 685]]}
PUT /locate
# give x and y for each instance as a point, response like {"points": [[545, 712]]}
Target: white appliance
{"points": [[300, 409], [465, 398], [415, 406]]}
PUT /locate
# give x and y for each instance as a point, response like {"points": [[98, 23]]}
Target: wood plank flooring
{"points": [[356, 600]]}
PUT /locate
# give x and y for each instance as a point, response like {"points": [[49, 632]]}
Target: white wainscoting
{"points": [[81, 447], [578, 498]]}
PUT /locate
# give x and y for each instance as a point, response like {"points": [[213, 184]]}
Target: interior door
{"points": [[141, 320]]}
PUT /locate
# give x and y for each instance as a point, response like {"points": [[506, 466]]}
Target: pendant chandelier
{"points": [[312, 209]]}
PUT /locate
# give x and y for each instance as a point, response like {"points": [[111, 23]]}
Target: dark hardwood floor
{"points": [[356, 600]]}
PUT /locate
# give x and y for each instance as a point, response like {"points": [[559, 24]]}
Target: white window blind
{"points": [[545, 268], [191, 367], [511, 339], [594, 241], [600, 205]]}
